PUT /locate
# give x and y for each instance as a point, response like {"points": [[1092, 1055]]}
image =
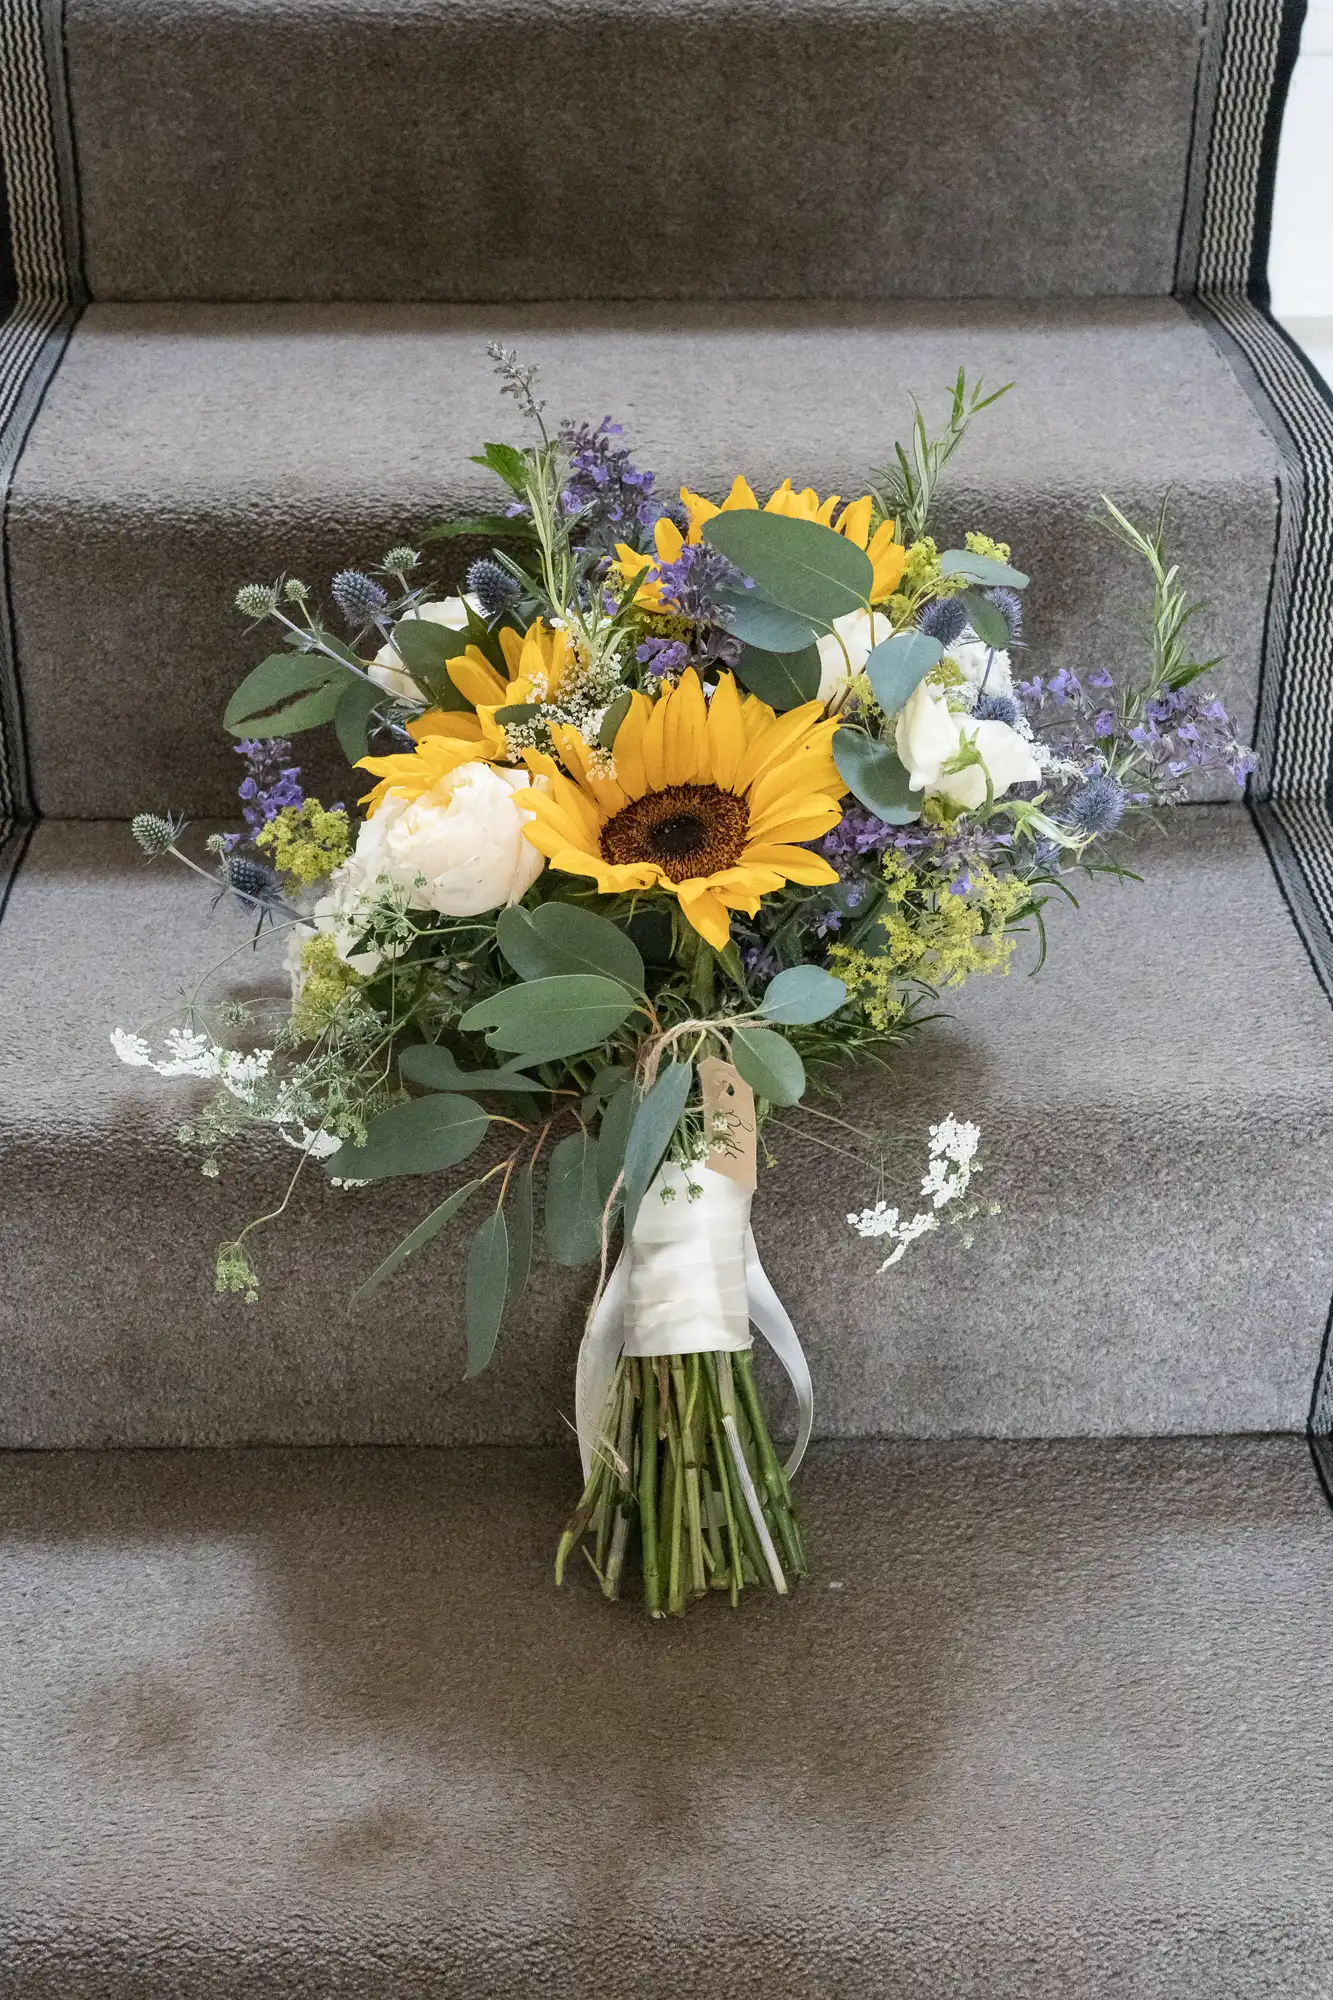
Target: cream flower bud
{"points": [[858, 633], [388, 668], [979, 663]]}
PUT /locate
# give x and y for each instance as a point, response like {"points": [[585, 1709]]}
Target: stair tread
{"points": [[282, 1722], [1155, 1111], [724, 149], [181, 451]]}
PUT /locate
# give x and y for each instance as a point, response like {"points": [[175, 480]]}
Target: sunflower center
{"points": [[688, 830]]}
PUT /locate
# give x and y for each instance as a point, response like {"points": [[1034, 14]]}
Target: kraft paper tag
{"points": [[728, 1103]]}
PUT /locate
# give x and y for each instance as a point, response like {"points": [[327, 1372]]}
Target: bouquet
{"points": [[679, 808]]}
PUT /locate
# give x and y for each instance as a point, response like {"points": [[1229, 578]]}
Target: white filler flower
{"points": [[953, 1161]]}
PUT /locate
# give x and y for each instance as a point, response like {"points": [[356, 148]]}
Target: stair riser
{"points": [[322, 151], [252, 443]]}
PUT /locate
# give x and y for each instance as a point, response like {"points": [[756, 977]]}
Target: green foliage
{"points": [[801, 565], [434, 1068], [876, 775], [287, 693], [487, 1288], [757, 621], [352, 717], [907, 488], [426, 649], [425, 1232], [545, 1019], [573, 1201], [783, 680], [655, 1122], [769, 1064], [520, 1232], [898, 665], [801, 994], [422, 1137], [970, 567], [986, 619], [507, 463], [561, 937]]}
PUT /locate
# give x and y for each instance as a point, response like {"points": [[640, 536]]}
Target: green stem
{"points": [[775, 1479], [648, 1486]]}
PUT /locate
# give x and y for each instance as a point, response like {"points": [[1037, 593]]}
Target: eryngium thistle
{"points": [[399, 560], [254, 883], [358, 597], [1098, 805], [256, 600], [295, 591], [156, 834], [493, 587], [943, 619], [1010, 607], [998, 708]]}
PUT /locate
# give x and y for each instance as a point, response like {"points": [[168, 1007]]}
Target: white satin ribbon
{"points": [[688, 1282]]}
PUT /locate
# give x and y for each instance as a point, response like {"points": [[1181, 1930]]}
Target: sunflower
{"points": [[707, 801], [888, 558], [538, 662]]}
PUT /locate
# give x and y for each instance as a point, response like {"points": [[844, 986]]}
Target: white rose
{"points": [[458, 849], [930, 735], [978, 663], [859, 633], [388, 668]]}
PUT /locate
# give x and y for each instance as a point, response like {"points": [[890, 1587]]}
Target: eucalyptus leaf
{"points": [[487, 1286], [897, 666], [769, 1064], [426, 649], [802, 994], [286, 693], [424, 1233], [611, 721], [517, 712], [434, 1068], [422, 1137], [351, 719], [980, 569], [986, 619], [655, 1120], [876, 775], [547, 1018], [613, 1137], [801, 565], [783, 680], [758, 621], [573, 1202], [520, 1231], [564, 937]]}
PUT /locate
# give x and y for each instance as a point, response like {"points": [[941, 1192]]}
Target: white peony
{"points": [[458, 849], [859, 632], [388, 668], [930, 735], [981, 665]]}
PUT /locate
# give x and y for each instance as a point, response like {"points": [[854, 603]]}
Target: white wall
{"points": [[1300, 264]]}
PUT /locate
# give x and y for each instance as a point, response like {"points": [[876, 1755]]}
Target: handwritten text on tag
{"points": [[728, 1121]]}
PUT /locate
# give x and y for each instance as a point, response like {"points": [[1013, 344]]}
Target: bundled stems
{"points": [[685, 1467]]}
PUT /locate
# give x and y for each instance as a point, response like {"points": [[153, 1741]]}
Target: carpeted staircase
{"points": [[1050, 1720]]}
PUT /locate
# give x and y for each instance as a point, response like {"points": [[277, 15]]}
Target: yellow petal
{"points": [[699, 510], [574, 755], [855, 521], [455, 722], [780, 501], [628, 748], [779, 740], [476, 679], [685, 733], [888, 560], [741, 497], [726, 731], [707, 913], [630, 561], [815, 817], [511, 648], [654, 736], [669, 540], [797, 864]]}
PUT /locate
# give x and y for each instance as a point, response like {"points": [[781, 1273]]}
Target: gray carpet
{"points": [[1156, 1105], [1049, 1721], [182, 451], [486, 149]]}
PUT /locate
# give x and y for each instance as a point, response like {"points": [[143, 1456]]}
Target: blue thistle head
{"points": [[1098, 805], [998, 708], [1010, 607], [943, 619], [358, 597], [492, 586], [257, 886]]}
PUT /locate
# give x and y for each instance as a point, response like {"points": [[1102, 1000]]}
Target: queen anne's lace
{"points": [[952, 1163]]}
